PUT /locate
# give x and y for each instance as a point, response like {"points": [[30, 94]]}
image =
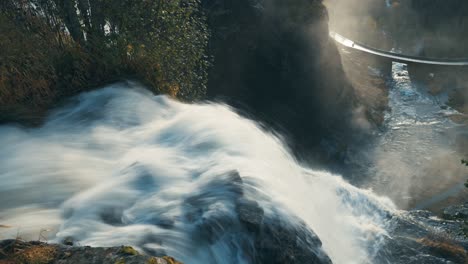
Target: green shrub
{"points": [[50, 49]]}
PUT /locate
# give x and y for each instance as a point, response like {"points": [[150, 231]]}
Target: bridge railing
{"points": [[396, 56]]}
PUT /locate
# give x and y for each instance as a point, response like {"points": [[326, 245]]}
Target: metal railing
{"points": [[396, 56]]}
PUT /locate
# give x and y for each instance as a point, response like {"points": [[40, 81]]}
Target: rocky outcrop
{"points": [[430, 28], [269, 235], [275, 60], [279, 241], [442, 25], [421, 237], [21, 252], [457, 212], [438, 30]]}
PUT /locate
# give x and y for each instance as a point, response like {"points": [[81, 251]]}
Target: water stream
{"points": [[121, 166], [415, 159]]}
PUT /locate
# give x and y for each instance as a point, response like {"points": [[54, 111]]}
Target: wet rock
{"points": [[258, 234], [279, 237], [456, 212], [68, 241], [250, 214], [422, 237], [281, 242]]}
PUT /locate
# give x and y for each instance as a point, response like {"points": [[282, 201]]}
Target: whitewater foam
{"points": [[121, 166]]}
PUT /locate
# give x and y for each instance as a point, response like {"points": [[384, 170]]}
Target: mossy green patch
{"points": [[152, 260], [127, 250], [120, 261]]}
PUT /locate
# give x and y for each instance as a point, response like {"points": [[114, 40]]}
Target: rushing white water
{"points": [[120, 166]]}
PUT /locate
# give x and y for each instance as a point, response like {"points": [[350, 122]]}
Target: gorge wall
{"points": [[443, 25], [275, 59]]}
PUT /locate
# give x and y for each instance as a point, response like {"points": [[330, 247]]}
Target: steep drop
{"points": [[197, 182]]}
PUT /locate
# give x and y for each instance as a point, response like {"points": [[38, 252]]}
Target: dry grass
{"points": [[35, 255], [35, 252], [20, 252]]}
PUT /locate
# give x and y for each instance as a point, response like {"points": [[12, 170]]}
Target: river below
{"points": [[415, 156]]}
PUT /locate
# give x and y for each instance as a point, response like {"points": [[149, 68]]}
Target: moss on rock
{"points": [[127, 250], [20, 252]]}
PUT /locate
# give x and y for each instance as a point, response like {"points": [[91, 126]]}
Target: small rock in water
{"points": [[68, 241]]}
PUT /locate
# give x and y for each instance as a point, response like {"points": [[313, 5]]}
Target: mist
{"points": [[434, 29], [415, 156]]}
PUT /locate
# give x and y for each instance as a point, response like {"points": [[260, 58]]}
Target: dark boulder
{"points": [[279, 238], [278, 241], [258, 234]]}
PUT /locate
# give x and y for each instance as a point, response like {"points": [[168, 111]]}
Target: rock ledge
{"points": [[21, 252]]}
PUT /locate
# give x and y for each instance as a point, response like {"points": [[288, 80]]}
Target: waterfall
{"points": [[121, 166]]}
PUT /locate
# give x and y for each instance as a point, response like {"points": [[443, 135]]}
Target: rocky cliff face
{"points": [[440, 31], [445, 23], [274, 59], [430, 28]]}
